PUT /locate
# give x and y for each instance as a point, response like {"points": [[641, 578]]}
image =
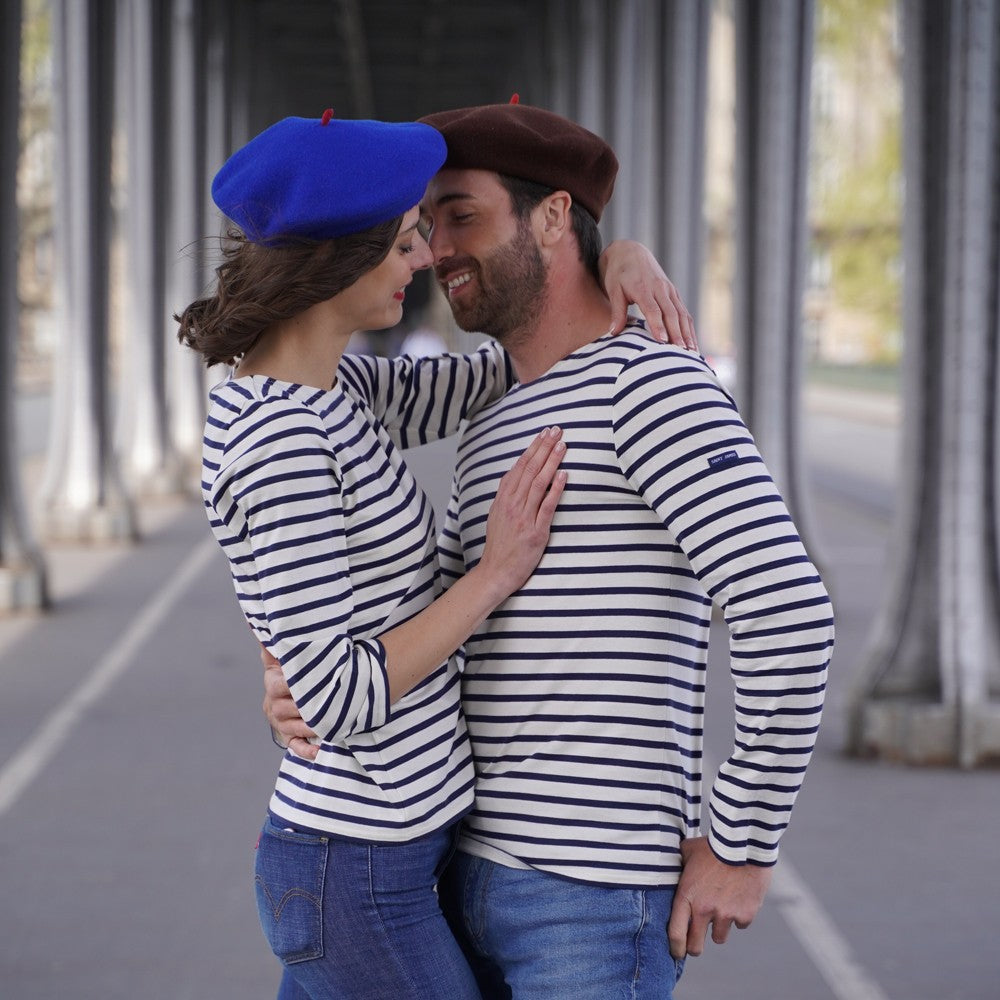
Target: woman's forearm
{"points": [[417, 647]]}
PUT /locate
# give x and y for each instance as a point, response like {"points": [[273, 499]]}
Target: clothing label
{"points": [[726, 458]]}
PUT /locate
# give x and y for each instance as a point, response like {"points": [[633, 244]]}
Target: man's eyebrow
{"points": [[452, 196]]}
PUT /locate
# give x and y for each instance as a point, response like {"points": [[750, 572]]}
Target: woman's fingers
{"points": [[668, 318], [546, 479], [619, 310], [547, 508], [523, 472]]}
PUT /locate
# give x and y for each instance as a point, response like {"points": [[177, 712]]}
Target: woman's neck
{"points": [[305, 349]]}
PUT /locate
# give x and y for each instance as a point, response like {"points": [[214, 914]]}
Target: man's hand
{"points": [[281, 711], [711, 892]]}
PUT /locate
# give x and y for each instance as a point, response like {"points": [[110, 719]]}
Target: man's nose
{"points": [[422, 256], [440, 245]]}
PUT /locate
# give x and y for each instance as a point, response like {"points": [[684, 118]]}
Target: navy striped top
{"points": [[331, 542], [584, 692]]}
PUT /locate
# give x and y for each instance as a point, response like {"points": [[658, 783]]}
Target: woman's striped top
{"points": [[584, 692], [330, 543]]}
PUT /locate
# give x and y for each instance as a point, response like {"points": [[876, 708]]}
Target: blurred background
{"points": [[820, 180]]}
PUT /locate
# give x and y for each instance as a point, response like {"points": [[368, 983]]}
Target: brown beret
{"points": [[533, 144]]}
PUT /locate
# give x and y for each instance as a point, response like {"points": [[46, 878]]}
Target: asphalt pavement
{"points": [[135, 767]]}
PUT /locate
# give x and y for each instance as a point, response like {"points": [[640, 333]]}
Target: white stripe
{"points": [[50, 736], [818, 935]]}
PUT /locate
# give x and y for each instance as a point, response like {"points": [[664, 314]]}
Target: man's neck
{"points": [[575, 312]]}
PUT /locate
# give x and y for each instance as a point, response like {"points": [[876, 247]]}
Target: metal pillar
{"points": [[185, 229], [217, 28], [147, 458], [635, 71], [83, 498], [592, 110], [773, 58], [930, 691], [635, 125], [562, 57], [680, 157], [22, 568]]}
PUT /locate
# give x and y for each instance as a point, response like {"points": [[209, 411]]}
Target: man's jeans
{"points": [[534, 936], [358, 920]]}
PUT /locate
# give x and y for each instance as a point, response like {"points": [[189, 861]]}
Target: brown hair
{"points": [[260, 285]]}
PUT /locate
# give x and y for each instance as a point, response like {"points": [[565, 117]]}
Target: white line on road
{"points": [[47, 740], [818, 935], [816, 932], [799, 907]]}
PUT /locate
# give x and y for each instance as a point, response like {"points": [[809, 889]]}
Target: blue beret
{"points": [[324, 177]]}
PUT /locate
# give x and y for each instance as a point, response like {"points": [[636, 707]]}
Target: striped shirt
{"points": [[584, 692], [331, 543]]}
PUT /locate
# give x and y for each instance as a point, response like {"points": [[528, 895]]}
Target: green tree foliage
{"points": [[857, 207]]}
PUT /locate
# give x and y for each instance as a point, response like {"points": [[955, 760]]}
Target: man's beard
{"points": [[511, 289]]}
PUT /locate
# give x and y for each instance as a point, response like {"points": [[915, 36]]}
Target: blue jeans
{"points": [[534, 936], [358, 921]]}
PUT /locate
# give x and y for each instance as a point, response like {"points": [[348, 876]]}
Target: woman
{"points": [[332, 545]]}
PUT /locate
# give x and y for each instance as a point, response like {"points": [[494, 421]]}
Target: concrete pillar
{"points": [[930, 691], [186, 230], [83, 497], [22, 568], [146, 454], [774, 41]]}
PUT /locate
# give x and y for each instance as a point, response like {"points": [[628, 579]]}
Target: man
{"points": [[584, 692]]}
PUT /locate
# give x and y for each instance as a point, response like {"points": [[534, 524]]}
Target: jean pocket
{"points": [[289, 875]]}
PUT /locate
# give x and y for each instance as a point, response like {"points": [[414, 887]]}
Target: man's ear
{"points": [[554, 217]]}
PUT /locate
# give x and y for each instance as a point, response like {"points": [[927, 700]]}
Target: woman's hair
{"points": [[260, 285]]}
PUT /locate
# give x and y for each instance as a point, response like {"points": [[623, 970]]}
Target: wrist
{"points": [[490, 585]]}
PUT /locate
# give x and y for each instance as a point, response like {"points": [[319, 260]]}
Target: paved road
{"points": [[135, 767]]}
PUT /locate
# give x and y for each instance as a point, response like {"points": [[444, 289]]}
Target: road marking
{"points": [[18, 773], [816, 932], [799, 907], [818, 935]]}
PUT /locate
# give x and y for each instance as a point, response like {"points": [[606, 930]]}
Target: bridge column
{"points": [[930, 691], [22, 568], [635, 73], [679, 159], [186, 228], [147, 456], [774, 41], [82, 496]]}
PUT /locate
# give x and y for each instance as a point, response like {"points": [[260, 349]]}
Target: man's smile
{"points": [[455, 280]]}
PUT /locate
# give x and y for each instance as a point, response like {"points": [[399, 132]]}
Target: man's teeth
{"points": [[462, 279]]}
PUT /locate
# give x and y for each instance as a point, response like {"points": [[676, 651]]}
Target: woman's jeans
{"points": [[534, 936], [358, 921]]}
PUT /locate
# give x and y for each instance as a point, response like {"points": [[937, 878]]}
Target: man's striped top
{"points": [[584, 692], [331, 542]]}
